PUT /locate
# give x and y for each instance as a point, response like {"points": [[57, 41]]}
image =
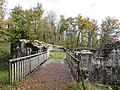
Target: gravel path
{"points": [[52, 75]]}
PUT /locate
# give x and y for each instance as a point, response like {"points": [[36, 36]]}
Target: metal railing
{"points": [[74, 65], [21, 67]]}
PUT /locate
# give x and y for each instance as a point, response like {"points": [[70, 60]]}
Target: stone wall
{"points": [[25, 47], [101, 69], [108, 71]]}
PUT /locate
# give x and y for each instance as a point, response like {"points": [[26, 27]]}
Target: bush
{"points": [[4, 53]]}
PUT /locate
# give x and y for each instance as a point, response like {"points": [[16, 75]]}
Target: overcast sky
{"points": [[95, 9]]}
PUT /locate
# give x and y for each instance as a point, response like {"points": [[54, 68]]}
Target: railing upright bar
{"points": [[30, 65], [43, 56], [17, 68], [78, 71], [20, 69], [23, 68], [17, 71], [38, 60], [13, 74], [81, 76], [9, 70], [46, 56]]}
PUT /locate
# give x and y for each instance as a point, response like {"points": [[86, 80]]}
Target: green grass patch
{"points": [[4, 71], [3, 75], [4, 83], [54, 55]]}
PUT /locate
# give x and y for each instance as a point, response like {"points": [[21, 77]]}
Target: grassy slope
{"points": [[54, 55]]}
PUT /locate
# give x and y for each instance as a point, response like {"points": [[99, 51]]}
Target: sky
{"points": [[94, 9]]}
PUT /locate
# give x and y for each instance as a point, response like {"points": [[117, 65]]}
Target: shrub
{"points": [[4, 53]]}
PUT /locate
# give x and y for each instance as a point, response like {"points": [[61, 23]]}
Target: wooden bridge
{"points": [[19, 68]]}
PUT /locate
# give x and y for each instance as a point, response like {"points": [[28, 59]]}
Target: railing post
{"points": [[30, 64], [71, 58], [9, 70], [15, 71], [82, 78], [38, 59], [46, 56], [82, 82], [43, 56], [23, 68], [78, 71]]}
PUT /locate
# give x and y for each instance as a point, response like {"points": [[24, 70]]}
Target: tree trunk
{"points": [[78, 38]]}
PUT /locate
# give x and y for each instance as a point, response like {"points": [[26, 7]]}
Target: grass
{"points": [[54, 55], [3, 71], [4, 75], [4, 83], [89, 86], [4, 57]]}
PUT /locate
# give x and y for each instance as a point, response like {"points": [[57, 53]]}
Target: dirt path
{"points": [[52, 75]]}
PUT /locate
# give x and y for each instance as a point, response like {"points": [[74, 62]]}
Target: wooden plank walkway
{"points": [[52, 75]]}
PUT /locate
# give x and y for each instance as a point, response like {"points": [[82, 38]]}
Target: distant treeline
{"points": [[70, 32]]}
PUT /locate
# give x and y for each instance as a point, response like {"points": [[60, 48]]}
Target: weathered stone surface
{"points": [[25, 47], [103, 67]]}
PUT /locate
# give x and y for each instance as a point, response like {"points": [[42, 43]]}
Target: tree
{"points": [[63, 27], [45, 29], [83, 25], [93, 34], [2, 11], [107, 27], [33, 22], [4, 35], [71, 32], [16, 24], [51, 18], [25, 24]]}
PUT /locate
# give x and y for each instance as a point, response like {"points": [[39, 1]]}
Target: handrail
{"points": [[76, 60], [75, 68], [25, 57], [23, 66]]}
